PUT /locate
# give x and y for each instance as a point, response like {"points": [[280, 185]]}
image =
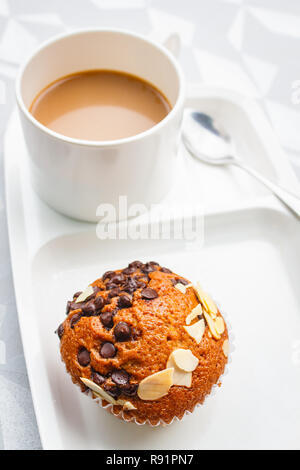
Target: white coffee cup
{"points": [[75, 176]]}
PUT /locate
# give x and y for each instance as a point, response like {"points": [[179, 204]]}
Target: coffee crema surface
{"points": [[100, 105]]}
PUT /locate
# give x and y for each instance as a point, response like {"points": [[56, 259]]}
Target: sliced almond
{"points": [[110, 400], [85, 294], [90, 384], [128, 406], [156, 385], [211, 326], [225, 347], [98, 390], [100, 393], [180, 287], [194, 314], [180, 377], [220, 325], [120, 402], [185, 359], [196, 330], [206, 300]]}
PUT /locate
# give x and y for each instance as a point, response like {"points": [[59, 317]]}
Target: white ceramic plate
{"points": [[249, 262]]}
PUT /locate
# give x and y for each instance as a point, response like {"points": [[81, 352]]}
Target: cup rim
{"points": [[101, 143]]}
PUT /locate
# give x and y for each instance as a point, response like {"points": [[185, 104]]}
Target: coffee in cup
{"points": [[100, 105]]}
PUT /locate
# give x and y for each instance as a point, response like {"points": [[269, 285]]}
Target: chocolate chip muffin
{"points": [[144, 341]]}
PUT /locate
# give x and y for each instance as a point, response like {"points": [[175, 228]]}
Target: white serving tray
{"points": [[249, 261]]}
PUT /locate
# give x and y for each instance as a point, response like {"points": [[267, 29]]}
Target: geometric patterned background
{"points": [[251, 46]]}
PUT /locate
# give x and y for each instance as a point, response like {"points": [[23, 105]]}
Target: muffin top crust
{"points": [[124, 328]]}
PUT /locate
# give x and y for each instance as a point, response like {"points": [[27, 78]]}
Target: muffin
{"points": [[145, 341]]}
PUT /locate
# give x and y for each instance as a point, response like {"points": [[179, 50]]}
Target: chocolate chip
{"points": [[68, 307], [130, 289], [141, 284], [130, 285], [89, 309], [178, 280], [153, 263], [108, 275], [129, 270], [141, 281], [113, 390], [83, 357], [114, 292], [120, 377], [117, 278], [111, 285], [96, 289], [99, 302], [124, 301], [122, 331], [183, 281], [77, 294], [77, 306], [130, 389], [200, 317], [98, 378], [108, 350], [148, 268], [60, 330], [135, 264], [166, 270], [90, 297], [142, 277], [107, 319], [75, 319], [149, 294]]}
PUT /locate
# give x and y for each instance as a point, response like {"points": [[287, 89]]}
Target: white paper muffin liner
{"points": [[132, 419]]}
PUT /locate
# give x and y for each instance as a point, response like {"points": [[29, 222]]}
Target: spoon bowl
{"points": [[206, 140]]}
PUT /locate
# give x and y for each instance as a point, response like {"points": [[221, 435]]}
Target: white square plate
{"points": [[249, 262]]}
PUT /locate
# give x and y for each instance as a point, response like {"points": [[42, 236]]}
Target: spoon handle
{"points": [[289, 199]]}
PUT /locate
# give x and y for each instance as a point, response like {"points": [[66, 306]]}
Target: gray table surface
{"points": [[251, 46]]}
